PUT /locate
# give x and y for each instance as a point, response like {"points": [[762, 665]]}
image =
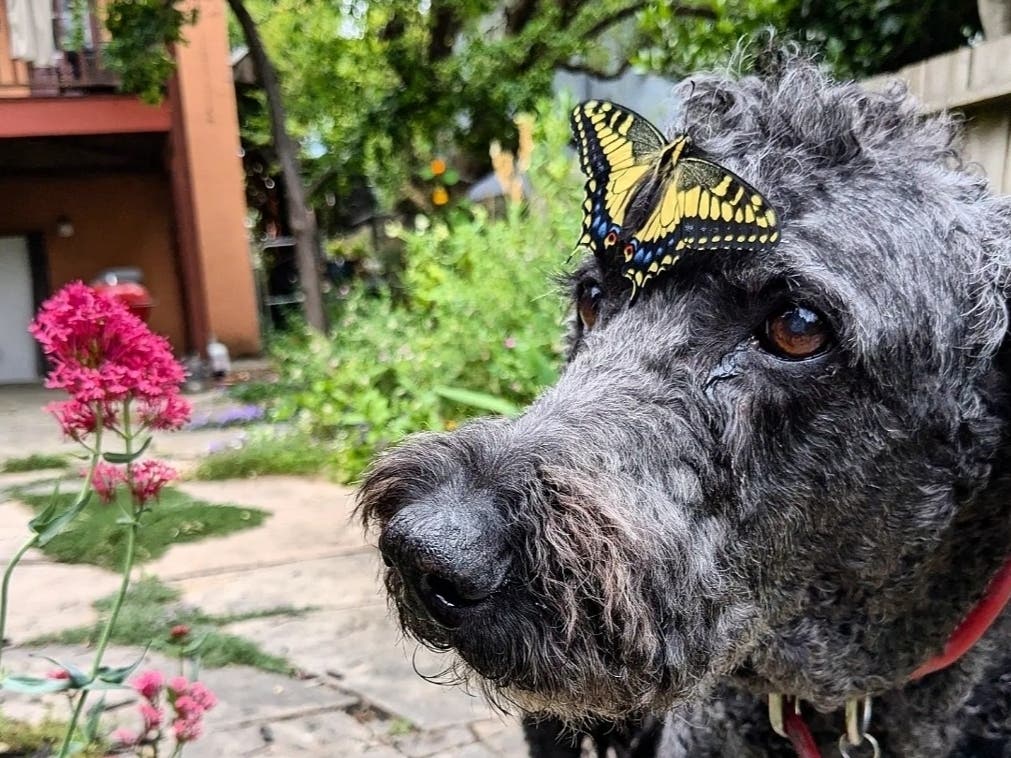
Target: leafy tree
{"points": [[142, 33]]}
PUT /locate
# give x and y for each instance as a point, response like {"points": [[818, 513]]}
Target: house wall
{"points": [[119, 220], [211, 164]]}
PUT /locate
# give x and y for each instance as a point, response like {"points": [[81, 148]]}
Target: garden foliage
{"points": [[476, 326]]}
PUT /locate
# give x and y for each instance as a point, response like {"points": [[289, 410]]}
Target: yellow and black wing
{"points": [[696, 205], [648, 199], [617, 149]]}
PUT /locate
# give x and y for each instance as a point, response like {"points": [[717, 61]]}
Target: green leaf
{"points": [[61, 522], [41, 521], [451, 177], [92, 723], [194, 647], [117, 675], [77, 677], [481, 400], [113, 457], [34, 685]]}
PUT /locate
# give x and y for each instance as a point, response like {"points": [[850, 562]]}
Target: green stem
{"points": [[103, 640], [6, 584], [65, 747], [96, 454]]}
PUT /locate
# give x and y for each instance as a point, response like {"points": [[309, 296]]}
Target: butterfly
{"points": [[649, 199]]}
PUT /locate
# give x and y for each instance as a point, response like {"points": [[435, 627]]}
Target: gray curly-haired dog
{"points": [[781, 471]]}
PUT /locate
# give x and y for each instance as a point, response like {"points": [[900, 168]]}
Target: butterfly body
{"points": [[649, 199]]}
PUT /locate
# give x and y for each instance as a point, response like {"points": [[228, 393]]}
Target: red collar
{"points": [[966, 634]]}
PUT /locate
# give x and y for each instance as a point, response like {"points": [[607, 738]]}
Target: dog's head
{"points": [[777, 466]]}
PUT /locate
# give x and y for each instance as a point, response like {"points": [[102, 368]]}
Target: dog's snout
{"points": [[450, 552]]}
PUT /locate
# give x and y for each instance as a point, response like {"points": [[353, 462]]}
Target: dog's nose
{"points": [[450, 551]]}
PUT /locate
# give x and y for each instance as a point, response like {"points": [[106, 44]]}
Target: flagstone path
{"points": [[357, 693]]}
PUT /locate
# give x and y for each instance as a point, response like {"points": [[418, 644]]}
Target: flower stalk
{"points": [[120, 378]]}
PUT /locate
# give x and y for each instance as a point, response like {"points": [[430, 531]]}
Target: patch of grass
{"points": [[34, 462], [293, 454], [18, 738], [96, 538], [152, 608]]}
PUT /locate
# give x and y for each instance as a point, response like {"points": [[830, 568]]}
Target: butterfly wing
{"points": [[617, 149], [699, 206]]}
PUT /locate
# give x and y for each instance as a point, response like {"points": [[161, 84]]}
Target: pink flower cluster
{"points": [[102, 355], [146, 480], [188, 701]]}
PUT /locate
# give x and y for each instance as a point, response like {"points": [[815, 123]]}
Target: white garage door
{"points": [[17, 348]]}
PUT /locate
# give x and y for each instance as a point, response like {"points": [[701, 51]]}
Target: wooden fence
{"points": [[975, 81]]}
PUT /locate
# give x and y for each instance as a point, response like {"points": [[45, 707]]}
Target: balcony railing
{"points": [[70, 63]]}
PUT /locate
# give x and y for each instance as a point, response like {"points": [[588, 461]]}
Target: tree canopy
{"points": [[376, 90]]}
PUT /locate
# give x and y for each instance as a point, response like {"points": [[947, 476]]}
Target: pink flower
{"points": [[187, 729], [58, 674], [202, 696], [190, 701], [106, 479], [179, 632], [187, 707], [152, 716], [125, 737], [149, 684], [509, 343], [179, 685], [100, 352], [169, 412], [148, 478]]}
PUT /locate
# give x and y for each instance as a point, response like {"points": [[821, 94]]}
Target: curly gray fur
{"points": [[694, 523]]}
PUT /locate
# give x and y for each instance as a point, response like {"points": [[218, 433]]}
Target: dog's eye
{"points": [[587, 303], [796, 332]]}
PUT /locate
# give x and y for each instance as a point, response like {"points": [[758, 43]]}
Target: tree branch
{"points": [[443, 26], [301, 219], [517, 16], [627, 12]]}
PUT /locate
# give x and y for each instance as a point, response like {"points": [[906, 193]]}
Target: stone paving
{"points": [[357, 692]]}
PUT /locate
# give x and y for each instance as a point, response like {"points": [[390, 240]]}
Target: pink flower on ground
{"points": [[58, 674], [106, 479], [153, 716], [509, 343], [148, 684], [124, 737], [149, 478]]}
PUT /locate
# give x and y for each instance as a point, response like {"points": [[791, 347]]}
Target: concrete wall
{"points": [[119, 220], [206, 99]]}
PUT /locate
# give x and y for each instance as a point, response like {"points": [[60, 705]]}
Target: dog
{"points": [[777, 482]]}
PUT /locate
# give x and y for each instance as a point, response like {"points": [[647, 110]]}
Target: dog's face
{"points": [[767, 468]]}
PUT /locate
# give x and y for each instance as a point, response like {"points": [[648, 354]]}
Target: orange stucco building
{"points": [[91, 180]]}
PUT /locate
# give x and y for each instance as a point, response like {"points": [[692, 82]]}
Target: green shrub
{"points": [[261, 455], [477, 326], [34, 462]]}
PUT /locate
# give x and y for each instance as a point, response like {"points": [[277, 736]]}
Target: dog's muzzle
{"points": [[450, 553]]}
